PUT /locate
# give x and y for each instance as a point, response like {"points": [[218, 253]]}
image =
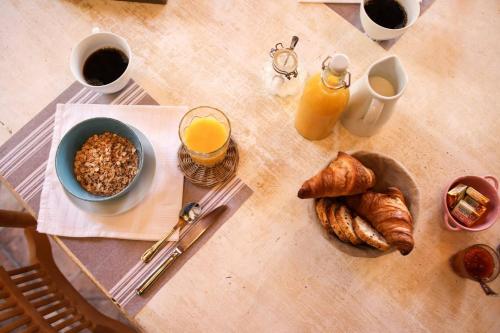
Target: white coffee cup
{"points": [[98, 40], [378, 32]]}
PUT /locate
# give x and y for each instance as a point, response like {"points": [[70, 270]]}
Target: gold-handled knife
{"points": [[183, 244]]}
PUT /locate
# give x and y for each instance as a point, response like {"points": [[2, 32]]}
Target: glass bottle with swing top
{"points": [[324, 98]]}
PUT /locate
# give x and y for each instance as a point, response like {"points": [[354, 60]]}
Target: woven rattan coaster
{"points": [[209, 176]]}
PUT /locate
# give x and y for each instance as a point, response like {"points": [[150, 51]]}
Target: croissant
{"points": [[388, 214], [344, 176]]}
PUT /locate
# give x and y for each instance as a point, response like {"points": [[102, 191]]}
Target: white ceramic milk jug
{"points": [[368, 110]]}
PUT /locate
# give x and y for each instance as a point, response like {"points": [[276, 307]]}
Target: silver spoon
{"points": [[294, 42], [487, 290], [188, 214]]}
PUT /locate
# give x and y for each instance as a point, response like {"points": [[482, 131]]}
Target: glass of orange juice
{"points": [[205, 132]]}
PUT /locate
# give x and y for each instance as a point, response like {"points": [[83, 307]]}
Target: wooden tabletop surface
{"points": [[269, 268]]}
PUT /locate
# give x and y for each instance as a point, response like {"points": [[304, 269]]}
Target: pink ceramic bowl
{"points": [[488, 186]]}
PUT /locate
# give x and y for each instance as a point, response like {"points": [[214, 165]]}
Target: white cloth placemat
{"points": [[156, 214]]}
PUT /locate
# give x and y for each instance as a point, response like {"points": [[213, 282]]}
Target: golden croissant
{"points": [[344, 176], [388, 214]]}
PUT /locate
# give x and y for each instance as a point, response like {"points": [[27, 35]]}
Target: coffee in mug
{"points": [[104, 66], [387, 19], [101, 62], [387, 13]]}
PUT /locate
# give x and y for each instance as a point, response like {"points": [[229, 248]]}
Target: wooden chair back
{"points": [[38, 298]]}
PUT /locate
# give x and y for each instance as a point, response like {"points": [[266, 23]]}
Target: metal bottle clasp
{"points": [[347, 81]]}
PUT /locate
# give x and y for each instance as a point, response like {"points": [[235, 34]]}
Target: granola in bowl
{"points": [[106, 164]]}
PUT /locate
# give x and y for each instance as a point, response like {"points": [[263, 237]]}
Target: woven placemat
{"points": [[209, 176]]}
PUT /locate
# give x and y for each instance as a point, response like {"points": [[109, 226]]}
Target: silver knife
{"points": [[183, 244]]}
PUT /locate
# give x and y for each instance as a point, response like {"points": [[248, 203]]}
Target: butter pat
{"points": [[465, 213], [477, 196], [478, 208], [455, 195]]}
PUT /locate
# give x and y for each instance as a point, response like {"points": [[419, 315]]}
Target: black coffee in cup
{"points": [[104, 66], [387, 13]]}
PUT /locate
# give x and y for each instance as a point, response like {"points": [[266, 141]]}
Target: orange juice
{"points": [[324, 98], [206, 135]]}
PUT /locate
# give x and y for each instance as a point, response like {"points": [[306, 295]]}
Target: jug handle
{"points": [[373, 112]]}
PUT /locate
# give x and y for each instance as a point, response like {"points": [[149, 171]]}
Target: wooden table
{"points": [[285, 277]]}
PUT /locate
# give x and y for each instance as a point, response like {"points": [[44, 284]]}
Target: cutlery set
{"points": [[189, 214]]}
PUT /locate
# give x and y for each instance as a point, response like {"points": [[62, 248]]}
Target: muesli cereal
{"points": [[106, 164]]}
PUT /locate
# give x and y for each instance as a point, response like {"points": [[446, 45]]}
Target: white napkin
{"points": [[155, 214]]}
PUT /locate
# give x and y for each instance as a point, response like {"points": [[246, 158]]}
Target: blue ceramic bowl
{"points": [[74, 139]]}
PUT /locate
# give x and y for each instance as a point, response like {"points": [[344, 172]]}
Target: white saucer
{"points": [[134, 196]]}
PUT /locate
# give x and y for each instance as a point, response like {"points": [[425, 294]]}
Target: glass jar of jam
{"points": [[478, 262]]}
